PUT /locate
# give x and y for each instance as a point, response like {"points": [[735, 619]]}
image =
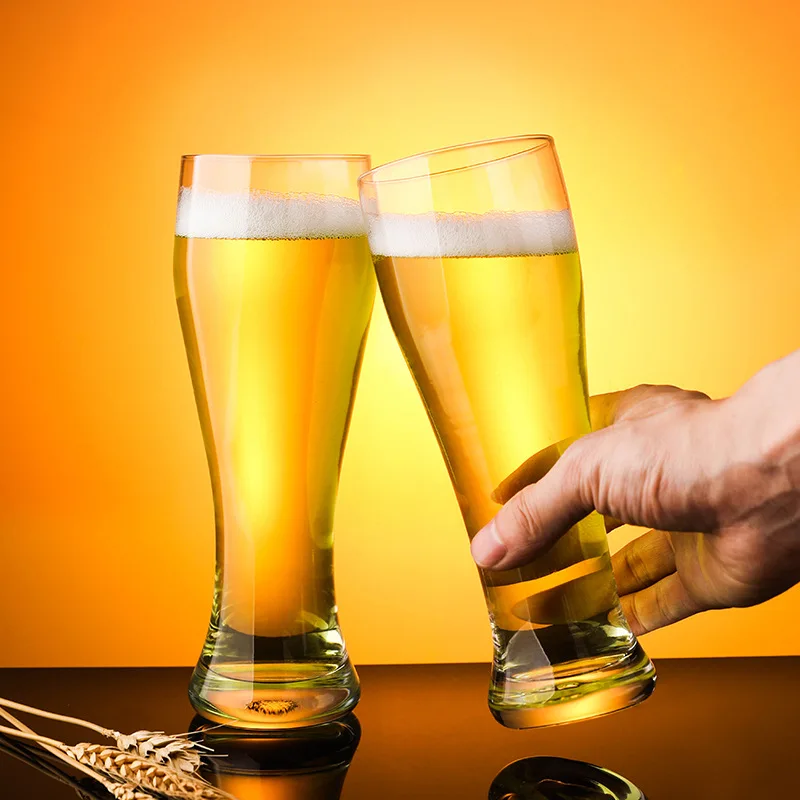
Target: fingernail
{"points": [[487, 549]]}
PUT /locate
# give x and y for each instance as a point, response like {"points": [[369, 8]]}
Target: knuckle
{"points": [[578, 464], [637, 566], [657, 392], [749, 574], [667, 613], [633, 614], [653, 399]]}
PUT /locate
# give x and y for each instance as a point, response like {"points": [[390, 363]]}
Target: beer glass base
{"points": [[274, 696], [573, 691]]}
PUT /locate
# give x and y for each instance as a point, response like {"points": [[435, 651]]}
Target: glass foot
{"points": [[576, 690], [274, 696]]}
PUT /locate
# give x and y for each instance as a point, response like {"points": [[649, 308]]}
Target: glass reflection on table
{"points": [[299, 764], [549, 778]]}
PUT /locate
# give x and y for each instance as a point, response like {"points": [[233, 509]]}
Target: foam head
{"points": [[495, 233], [204, 214]]}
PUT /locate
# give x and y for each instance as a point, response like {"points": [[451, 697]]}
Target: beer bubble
{"points": [[206, 214], [496, 233]]}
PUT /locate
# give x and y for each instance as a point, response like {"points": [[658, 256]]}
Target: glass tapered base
{"points": [[576, 690], [273, 683], [274, 696]]}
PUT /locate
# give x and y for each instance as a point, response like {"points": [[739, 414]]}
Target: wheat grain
{"points": [[123, 791], [178, 752], [142, 773]]}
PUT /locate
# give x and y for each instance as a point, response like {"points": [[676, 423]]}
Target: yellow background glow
{"points": [[677, 125]]}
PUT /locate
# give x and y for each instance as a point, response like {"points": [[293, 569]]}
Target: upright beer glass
{"points": [[477, 262], [275, 290]]}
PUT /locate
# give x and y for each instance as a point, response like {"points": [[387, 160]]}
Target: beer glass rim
{"points": [[535, 141], [279, 156]]}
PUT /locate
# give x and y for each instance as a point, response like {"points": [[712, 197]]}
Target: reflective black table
{"points": [[716, 729]]}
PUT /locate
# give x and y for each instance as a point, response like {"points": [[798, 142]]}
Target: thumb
{"points": [[534, 518]]}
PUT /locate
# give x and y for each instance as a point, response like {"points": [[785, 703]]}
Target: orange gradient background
{"points": [[677, 125]]}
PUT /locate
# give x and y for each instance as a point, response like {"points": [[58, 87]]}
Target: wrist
{"points": [[765, 414]]}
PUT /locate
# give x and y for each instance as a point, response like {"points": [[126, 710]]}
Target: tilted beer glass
{"points": [[477, 262], [275, 290]]}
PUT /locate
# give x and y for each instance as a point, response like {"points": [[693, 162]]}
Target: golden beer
{"points": [[275, 295], [488, 310]]}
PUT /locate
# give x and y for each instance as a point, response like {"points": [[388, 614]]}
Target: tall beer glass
{"points": [[275, 290], [477, 263]]}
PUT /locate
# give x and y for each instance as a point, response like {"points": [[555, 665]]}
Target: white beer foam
{"points": [[496, 233], [205, 214]]}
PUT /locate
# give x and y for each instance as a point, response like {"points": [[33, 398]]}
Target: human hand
{"points": [[718, 481]]}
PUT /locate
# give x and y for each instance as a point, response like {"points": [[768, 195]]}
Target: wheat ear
{"points": [[146, 774], [179, 752], [125, 775]]}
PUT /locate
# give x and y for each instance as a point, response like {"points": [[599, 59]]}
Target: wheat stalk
{"points": [[22, 731], [34, 757], [85, 789], [121, 791], [178, 752]]}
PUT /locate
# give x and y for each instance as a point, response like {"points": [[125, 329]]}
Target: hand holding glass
{"points": [[477, 262]]}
